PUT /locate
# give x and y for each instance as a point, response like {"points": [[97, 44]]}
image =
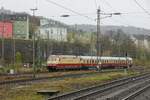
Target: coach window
{"points": [[94, 61]]}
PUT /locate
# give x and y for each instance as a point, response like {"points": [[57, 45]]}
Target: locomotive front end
{"points": [[52, 62]]}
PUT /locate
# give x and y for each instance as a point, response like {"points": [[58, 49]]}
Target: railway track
{"points": [[137, 93], [95, 92], [23, 76], [21, 81], [20, 74], [28, 77]]}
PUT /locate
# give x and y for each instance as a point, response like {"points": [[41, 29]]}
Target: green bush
{"points": [[18, 63]]}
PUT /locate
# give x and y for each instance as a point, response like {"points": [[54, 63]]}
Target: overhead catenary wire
{"points": [[61, 6], [147, 12], [116, 21], [95, 4], [36, 4], [115, 11]]}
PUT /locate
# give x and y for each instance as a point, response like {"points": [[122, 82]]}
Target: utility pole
{"points": [[51, 43], [48, 41], [98, 37], [39, 50], [14, 50], [3, 32], [34, 69], [98, 43]]}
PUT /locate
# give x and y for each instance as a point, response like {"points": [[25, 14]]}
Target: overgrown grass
{"points": [[28, 92], [144, 63]]}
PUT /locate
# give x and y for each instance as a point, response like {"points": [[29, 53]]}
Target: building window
{"points": [[52, 31]]}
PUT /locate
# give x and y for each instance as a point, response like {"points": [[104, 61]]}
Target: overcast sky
{"points": [[135, 17]]}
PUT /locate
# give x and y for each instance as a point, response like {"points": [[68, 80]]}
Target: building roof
{"points": [[51, 23], [14, 17], [106, 58], [94, 57]]}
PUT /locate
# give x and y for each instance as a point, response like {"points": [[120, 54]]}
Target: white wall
{"points": [[59, 34]]}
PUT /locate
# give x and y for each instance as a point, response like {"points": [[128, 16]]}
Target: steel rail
{"points": [[136, 93], [85, 92], [43, 78], [93, 93]]}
